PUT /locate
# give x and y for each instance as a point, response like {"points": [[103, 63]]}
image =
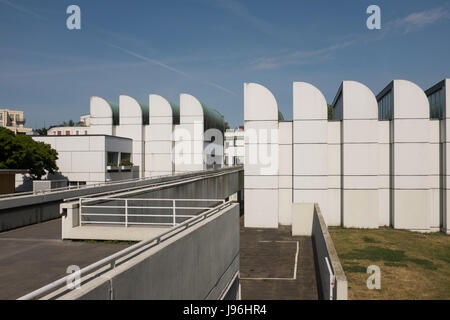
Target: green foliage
{"points": [[226, 125], [126, 162], [22, 152], [42, 131], [330, 112], [369, 240]]}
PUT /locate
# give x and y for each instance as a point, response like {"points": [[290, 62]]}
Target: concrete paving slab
{"points": [[276, 266], [33, 256]]}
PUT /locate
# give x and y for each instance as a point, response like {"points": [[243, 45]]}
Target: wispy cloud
{"points": [[22, 9], [70, 70], [166, 66], [417, 20], [300, 57], [238, 9]]}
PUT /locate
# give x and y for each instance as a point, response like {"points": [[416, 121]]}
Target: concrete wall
{"points": [[220, 186], [307, 220], [201, 262], [19, 211], [261, 157]]}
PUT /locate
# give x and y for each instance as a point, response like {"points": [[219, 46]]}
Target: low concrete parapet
{"points": [[198, 262], [307, 220]]}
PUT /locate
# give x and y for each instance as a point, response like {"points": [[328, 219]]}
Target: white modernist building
{"points": [[87, 159], [136, 140], [234, 147], [379, 161]]}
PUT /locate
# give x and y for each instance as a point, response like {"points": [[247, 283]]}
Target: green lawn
{"points": [[413, 265]]}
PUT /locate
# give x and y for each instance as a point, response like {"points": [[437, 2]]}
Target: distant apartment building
{"points": [[81, 129], [234, 149], [14, 121]]}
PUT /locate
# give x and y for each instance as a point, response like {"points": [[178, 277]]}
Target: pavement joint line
{"points": [[295, 264], [30, 240]]}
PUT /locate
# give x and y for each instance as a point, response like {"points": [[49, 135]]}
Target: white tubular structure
{"points": [[188, 135], [158, 139], [410, 157], [310, 146], [131, 126], [101, 117], [356, 107], [261, 157]]}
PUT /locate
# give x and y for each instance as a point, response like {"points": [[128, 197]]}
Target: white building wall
{"points": [[261, 157], [285, 173], [411, 157], [131, 126], [383, 173], [446, 162], [333, 214], [435, 192], [189, 136], [83, 158], [359, 157], [158, 139], [101, 117], [310, 146]]}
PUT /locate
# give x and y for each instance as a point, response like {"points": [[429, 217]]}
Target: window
{"points": [[1, 116], [59, 133], [385, 107], [67, 133], [77, 132], [436, 101]]}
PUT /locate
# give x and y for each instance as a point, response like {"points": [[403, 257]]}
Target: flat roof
{"points": [[81, 136]]}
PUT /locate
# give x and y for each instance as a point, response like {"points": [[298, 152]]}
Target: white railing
{"points": [[332, 279], [132, 250], [102, 184], [137, 211]]}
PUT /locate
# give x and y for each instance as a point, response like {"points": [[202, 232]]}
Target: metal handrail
{"points": [[126, 207], [332, 278], [108, 183], [114, 257]]}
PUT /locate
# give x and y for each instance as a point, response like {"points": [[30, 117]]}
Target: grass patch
{"points": [[355, 268], [413, 265], [396, 265], [369, 240]]}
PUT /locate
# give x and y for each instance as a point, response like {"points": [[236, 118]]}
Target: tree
{"points": [[42, 131], [22, 152], [226, 125]]}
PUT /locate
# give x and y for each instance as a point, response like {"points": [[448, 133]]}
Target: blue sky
{"points": [[209, 48]]}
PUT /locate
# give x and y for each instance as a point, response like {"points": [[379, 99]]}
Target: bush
{"points": [[22, 152]]}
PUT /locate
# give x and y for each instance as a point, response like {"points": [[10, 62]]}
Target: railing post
{"points": [[173, 213], [126, 212], [80, 202]]}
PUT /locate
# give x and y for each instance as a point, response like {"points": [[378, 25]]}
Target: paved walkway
{"points": [[33, 256], [276, 266]]}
